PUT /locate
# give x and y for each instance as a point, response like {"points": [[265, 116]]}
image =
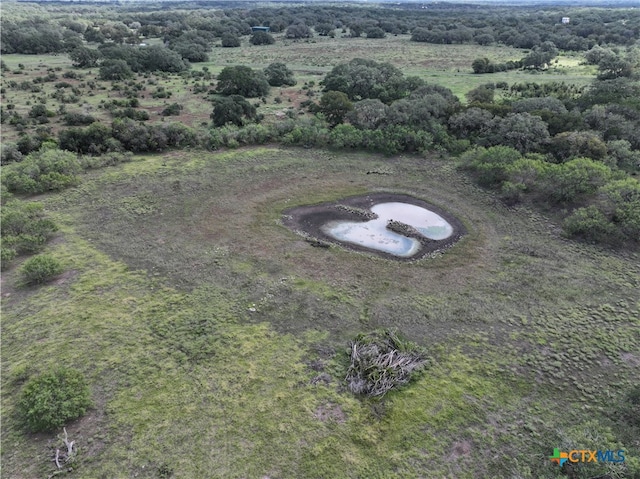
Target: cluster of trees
{"points": [[540, 56], [551, 145], [484, 65], [605, 202], [190, 31]]}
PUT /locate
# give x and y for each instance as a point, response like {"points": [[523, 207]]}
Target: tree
{"points": [[324, 29], [623, 155], [230, 40], [93, 140], [375, 32], [115, 70], [83, 57], [471, 123], [621, 200], [261, 38], [538, 104], [368, 114], [356, 30], [242, 80], [360, 79], [298, 31], [158, 58], [279, 75], [541, 55], [481, 65], [192, 52], [233, 109], [335, 105], [51, 399], [612, 66], [491, 165], [573, 144], [484, 39], [25, 229], [481, 94], [522, 131]]}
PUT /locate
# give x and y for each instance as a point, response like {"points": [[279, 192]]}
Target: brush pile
{"points": [[382, 361]]}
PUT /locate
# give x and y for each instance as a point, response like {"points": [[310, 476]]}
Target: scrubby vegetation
{"points": [[158, 140], [52, 399], [25, 229], [40, 269]]}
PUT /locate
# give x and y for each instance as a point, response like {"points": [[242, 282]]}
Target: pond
{"points": [[395, 226], [374, 234]]}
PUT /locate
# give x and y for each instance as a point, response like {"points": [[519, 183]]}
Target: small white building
{"points": [[565, 19]]}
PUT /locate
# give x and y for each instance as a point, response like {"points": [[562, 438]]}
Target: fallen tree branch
{"points": [[382, 361]]}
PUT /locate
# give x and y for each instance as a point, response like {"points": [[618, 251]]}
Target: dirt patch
{"points": [[308, 221], [460, 449], [330, 412], [66, 277]]}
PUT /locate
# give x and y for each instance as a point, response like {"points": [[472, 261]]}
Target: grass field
{"points": [[215, 339]]}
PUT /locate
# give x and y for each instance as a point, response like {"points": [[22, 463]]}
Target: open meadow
{"points": [[215, 339]]}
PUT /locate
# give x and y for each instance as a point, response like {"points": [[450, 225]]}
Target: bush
{"points": [[44, 170], [24, 228], [172, 110], [590, 224], [51, 399], [40, 269]]}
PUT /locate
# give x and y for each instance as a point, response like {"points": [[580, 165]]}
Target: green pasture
{"points": [[214, 338]]}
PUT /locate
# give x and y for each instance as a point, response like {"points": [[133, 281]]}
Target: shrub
{"points": [[51, 399], [44, 170], [40, 269], [590, 224], [172, 110], [24, 228]]}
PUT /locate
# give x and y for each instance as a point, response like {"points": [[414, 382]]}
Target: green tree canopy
{"points": [[261, 38], [233, 109], [279, 75], [115, 70], [242, 80], [335, 105], [361, 79]]}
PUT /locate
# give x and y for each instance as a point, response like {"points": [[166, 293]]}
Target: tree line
{"points": [[191, 31]]}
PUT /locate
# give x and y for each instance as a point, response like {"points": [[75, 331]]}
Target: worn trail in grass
{"points": [[214, 337]]}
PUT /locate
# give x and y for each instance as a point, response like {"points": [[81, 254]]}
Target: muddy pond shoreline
{"points": [[309, 220]]}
